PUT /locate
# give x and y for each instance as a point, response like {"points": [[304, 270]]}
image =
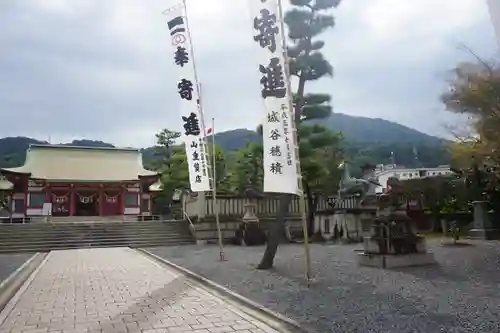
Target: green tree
{"points": [[4, 197], [175, 176], [247, 171], [221, 169], [170, 160], [165, 141], [306, 20], [434, 192], [320, 155], [441, 195], [474, 91]]}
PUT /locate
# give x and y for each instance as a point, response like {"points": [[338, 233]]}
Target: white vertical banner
{"points": [[193, 131], [280, 163]]}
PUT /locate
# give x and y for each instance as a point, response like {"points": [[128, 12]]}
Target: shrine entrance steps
{"points": [[92, 219], [40, 237]]}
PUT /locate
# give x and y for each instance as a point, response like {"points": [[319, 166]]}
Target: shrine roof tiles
{"points": [[70, 163]]}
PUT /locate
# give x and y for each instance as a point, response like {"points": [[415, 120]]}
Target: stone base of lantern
{"points": [[374, 256], [483, 228], [249, 233], [395, 261]]}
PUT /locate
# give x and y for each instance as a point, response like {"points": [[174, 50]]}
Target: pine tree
{"points": [[306, 20]]}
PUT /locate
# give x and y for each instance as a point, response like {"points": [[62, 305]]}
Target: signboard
{"points": [[47, 209], [193, 131], [278, 126]]}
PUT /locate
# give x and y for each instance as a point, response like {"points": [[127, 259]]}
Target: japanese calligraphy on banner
{"points": [[193, 131], [280, 163]]}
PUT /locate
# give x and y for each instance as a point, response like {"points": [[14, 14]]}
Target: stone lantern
{"points": [[250, 206], [249, 233]]}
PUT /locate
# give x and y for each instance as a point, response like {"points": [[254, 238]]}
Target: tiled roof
{"points": [[69, 163]]}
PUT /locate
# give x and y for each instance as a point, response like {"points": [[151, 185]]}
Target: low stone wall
{"points": [[206, 230], [201, 205]]}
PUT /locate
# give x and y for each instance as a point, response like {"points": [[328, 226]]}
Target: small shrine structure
{"points": [[80, 181]]}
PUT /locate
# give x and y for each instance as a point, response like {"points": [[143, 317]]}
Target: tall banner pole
{"points": [[215, 203], [198, 86], [281, 163], [193, 133], [302, 199]]}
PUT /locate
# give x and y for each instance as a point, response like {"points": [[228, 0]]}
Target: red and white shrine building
{"points": [[80, 181]]}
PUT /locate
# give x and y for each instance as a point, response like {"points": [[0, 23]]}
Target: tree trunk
{"points": [[277, 229], [276, 232]]}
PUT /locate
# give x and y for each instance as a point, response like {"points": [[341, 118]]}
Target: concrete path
{"points": [[117, 290]]}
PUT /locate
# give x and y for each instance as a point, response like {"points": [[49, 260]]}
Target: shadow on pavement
{"points": [[142, 314]]}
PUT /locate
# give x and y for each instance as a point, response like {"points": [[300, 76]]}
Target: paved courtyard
{"points": [[117, 290], [462, 294]]}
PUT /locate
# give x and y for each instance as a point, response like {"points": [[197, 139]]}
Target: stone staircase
{"points": [[92, 219], [39, 237]]}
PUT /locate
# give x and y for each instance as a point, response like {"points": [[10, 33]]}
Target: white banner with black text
{"points": [[279, 145], [193, 131]]}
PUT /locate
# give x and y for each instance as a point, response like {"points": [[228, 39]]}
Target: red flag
{"points": [[208, 131]]}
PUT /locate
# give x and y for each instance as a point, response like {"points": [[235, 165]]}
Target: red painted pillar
{"points": [[122, 200], [101, 201], [25, 203], [71, 200]]}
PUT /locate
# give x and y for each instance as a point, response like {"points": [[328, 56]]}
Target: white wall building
{"points": [[494, 9], [384, 172]]}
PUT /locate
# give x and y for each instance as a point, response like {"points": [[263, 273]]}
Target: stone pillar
{"points": [[201, 204], [482, 226], [358, 227]]}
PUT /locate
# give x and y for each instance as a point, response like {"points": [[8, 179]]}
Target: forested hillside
{"points": [[366, 140]]}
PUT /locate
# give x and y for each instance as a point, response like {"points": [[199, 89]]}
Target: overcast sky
{"points": [[102, 69]]}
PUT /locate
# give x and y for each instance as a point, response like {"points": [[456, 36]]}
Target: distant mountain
{"points": [[375, 130], [13, 149], [367, 139], [90, 143], [356, 130], [236, 139]]}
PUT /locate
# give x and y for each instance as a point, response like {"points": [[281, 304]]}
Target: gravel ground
{"points": [[462, 294], [10, 262]]}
